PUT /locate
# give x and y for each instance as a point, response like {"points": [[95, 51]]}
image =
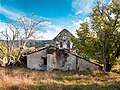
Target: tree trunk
{"points": [[104, 61], [18, 57], [103, 50], [108, 66]]}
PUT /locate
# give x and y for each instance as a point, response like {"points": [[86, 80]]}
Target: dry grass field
{"points": [[26, 79]]}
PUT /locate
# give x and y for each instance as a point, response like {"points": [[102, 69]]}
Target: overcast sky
{"points": [[60, 13]]}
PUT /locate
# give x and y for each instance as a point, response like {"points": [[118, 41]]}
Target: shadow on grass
{"points": [[114, 86]]}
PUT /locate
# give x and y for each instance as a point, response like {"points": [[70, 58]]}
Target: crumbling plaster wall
{"points": [[71, 63], [84, 65], [65, 60], [35, 61], [58, 59], [51, 61]]}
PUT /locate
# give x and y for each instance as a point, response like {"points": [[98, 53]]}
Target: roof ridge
{"points": [[62, 31]]}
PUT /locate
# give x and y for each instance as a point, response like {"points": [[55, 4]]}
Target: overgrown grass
{"points": [[26, 79]]}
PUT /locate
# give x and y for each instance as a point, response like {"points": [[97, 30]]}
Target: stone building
{"points": [[59, 56], [50, 58], [63, 39]]}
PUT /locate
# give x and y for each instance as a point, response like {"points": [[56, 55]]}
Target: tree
{"points": [[16, 36], [104, 42], [82, 41], [106, 25]]}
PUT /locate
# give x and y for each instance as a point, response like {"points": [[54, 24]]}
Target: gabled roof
{"points": [[64, 30], [40, 49], [28, 53]]}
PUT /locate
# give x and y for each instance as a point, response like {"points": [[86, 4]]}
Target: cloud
{"points": [[82, 6], [78, 12], [51, 31], [48, 35], [77, 23], [8, 13], [3, 27]]}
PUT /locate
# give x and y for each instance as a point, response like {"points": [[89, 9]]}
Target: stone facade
{"points": [[58, 59], [84, 65], [51, 58], [36, 60], [63, 39]]}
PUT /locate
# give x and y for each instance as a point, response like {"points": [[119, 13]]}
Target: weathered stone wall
{"points": [[51, 61], [35, 60], [65, 61], [61, 59], [58, 59], [84, 65], [71, 63]]}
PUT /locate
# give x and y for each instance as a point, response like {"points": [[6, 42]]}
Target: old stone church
{"points": [[58, 55]]}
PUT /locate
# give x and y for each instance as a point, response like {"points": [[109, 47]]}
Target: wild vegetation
{"points": [[26, 79], [16, 36]]}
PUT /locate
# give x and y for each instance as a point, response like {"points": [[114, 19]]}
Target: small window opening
{"points": [[61, 45], [44, 60], [68, 44]]}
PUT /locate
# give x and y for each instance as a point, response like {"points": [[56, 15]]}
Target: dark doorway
{"points": [[44, 60]]}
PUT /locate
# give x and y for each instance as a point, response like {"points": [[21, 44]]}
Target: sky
{"points": [[60, 14]]}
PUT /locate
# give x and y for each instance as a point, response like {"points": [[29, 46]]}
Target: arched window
{"points": [[68, 44]]}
